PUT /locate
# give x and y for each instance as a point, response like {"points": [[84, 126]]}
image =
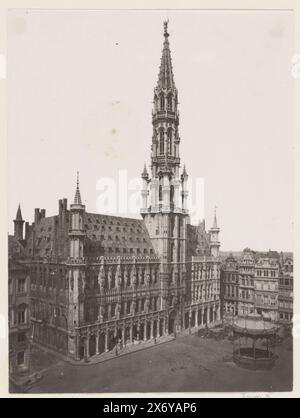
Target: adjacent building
{"points": [[266, 288], [230, 287], [258, 284], [286, 289], [246, 304], [18, 301]]}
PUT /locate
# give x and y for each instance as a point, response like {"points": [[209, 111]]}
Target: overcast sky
{"points": [[80, 91]]}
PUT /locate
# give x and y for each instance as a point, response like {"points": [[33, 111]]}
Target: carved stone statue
{"points": [[125, 276], [118, 276], [118, 310], [147, 302], [101, 278], [101, 314], [133, 276], [109, 277]]}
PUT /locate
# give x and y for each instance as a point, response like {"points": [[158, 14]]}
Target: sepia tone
{"points": [[88, 288]]}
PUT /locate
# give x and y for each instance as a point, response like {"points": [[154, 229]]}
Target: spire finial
{"points": [[19, 214], [184, 173], [215, 225], [145, 172], [77, 199], [166, 27]]}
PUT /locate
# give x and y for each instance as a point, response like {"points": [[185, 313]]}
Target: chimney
{"points": [[36, 216], [26, 231]]}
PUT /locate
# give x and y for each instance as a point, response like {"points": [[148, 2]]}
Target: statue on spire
{"points": [[77, 198], [166, 27]]}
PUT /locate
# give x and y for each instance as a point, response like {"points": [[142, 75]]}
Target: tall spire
{"points": [[145, 173], [19, 214], [77, 198], [165, 77], [165, 117], [18, 225]]}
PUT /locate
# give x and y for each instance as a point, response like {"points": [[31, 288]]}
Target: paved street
{"points": [[189, 363]]}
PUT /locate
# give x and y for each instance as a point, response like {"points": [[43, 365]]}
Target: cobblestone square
{"points": [[189, 363]]}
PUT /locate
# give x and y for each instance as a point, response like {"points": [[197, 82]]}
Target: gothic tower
{"points": [[164, 193], [76, 267], [18, 230], [214, 238]]}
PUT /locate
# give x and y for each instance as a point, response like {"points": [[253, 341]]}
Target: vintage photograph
{"points": [[150, 200]]}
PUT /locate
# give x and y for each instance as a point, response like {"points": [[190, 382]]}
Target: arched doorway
{"points": [[135, 332], [155, 328], [127, 335], [211, 316], [148, 330], [172, 317], [161, 327], [101, 343], [193, 319], [81, 348], [205, 316], [141, 332], [92, 345], [111, 340], [186, 320], [199, 317]]}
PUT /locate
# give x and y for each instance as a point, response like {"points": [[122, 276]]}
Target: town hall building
{"points": [[97, 279]]}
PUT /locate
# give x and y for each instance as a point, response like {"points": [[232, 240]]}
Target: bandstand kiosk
{"points": [[256, 356]]}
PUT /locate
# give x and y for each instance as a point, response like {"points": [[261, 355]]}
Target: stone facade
{"points": [[99, 280], [266, 288], [259, 284], [286, 291], [18, 302]]}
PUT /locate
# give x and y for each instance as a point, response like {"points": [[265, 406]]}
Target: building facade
{"points": [[96, 280], [230, 287], [286, 291], [266, 288], [18, 301], [246, 304], [258, 284]]}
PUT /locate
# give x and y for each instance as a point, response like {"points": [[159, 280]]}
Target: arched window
{"points": [[160, 193], [162, 102], [22, 314], [155, 103], [170, 145], [169, 101], [161, 142], [172, 194]]}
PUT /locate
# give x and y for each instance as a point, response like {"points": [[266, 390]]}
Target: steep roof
{"points": [[77, 198], [49, 238], [165, 77], [113, 235], [105, 235], [15, 247], [197, 240], [19, 214]]}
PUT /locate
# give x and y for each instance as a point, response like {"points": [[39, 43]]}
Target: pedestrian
{"points": [[117, 350]]}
